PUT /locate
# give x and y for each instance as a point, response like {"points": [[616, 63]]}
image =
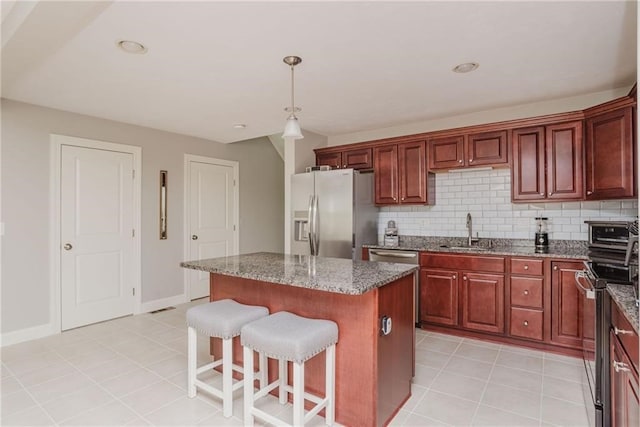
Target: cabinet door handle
{"points": [[526, 292], [460, 161], [555, 267], [454, 277], [621, 331], [550, 194], [464, 277], [542, 194], [589, 193], [525, 323], [395, 199], [526, 267], [470, 160], [403, 198], [620, 366]]}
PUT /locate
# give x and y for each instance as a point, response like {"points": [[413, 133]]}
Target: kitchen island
{"points": [[373, 370]]}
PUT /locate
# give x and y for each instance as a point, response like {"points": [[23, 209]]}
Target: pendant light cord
{"points": [[293, 111]]}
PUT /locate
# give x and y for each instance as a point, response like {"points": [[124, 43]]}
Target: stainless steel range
{"points": [[613, 253]]}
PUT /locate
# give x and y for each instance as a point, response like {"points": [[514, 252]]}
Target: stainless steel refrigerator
{"points": [[333, 213]]}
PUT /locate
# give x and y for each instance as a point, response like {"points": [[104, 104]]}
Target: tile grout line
{"points": [[475, 413], [38, 404]]}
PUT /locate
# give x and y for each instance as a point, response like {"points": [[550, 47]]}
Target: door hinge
{"points": [[133, 232], [234, 182], [133, 174], [234, 227], [134, 291]]}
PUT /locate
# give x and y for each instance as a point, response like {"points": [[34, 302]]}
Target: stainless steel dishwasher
{"points": [[400, 257]]}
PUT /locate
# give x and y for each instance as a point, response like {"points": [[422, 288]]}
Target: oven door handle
{"points": [[589, 292]]}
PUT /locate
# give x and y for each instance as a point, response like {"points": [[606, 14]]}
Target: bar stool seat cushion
{"points": [[223, 318], [286, 336]]}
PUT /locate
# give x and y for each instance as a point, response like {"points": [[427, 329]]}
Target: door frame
{"points": [[56, 144], [188, 158]]}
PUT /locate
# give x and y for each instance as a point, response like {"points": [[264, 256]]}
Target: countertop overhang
{"points": [[336, 275]]}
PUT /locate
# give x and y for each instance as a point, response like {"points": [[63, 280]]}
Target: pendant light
{"points": [[292, 128]]}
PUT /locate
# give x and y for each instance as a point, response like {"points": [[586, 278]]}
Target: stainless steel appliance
{"points": [[401, 257], [333, 213], [613, 253]]}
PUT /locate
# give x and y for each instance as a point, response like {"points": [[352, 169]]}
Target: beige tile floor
{"points": [[132, 371]]}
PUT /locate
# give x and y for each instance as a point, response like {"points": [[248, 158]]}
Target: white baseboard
{"points": [[27, 334], [159, 304]]}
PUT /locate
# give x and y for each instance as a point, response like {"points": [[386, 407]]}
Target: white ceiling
{"points": [[366, 65]]}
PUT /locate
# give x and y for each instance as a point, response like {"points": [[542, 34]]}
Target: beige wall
{"points": [[25, 208], [482, 117]]}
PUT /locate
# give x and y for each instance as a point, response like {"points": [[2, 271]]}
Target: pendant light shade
{"points": [[292, 127]]}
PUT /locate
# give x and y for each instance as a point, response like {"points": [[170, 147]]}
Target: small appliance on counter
{"points": [[391, 234], [542, 236]]}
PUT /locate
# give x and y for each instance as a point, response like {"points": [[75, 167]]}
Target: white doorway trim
{"points": [[57, 142], [188, 158]]}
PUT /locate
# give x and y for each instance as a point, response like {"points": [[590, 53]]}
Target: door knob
{"points": [[194, 237], [67, 246]]}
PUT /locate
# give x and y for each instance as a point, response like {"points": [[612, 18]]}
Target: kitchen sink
{"points": [[465, 248]]}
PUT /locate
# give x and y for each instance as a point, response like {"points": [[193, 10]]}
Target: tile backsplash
{"points": [[486, 194]]}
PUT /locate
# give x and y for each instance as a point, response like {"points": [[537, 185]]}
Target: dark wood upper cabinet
{"points": [[412, 169], [547, 163], [564, 158], [487, 148], [385, 160], [475, 149], [528, 175], [329, 159], [447, 152], [610, 154], [401, 174], [357, 158]]}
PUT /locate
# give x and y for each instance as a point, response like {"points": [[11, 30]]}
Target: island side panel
{"points": [[396, 350], [356, 352]]}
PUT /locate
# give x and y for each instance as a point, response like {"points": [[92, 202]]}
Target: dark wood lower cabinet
{"points": [[483, 302], [566, 305], [625, 398], [439, 296], [532, 302]]}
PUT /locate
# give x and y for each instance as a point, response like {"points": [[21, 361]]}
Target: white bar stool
{"points": [[220, 319], [288, 337]]}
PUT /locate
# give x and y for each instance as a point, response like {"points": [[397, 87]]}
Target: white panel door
{"points": [[211, 218], [97, 244]]}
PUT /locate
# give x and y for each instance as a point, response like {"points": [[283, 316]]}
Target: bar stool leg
{"points": [[227, 378], [283, 379], [264, 370], [330, 385], [248, 385], [298, 393], [192, 358]]}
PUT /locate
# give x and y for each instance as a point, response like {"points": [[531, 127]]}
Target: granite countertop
{"points": [[625, 299], [571, 249], [337, 275]]}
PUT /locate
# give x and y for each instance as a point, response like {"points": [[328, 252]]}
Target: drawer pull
{"points": [[620, 367], [526, 292], [525, 323], [621, 331], [526, 267], [464, 277]]}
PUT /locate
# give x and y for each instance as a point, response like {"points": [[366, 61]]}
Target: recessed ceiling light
{"points": [[131, 46], [239, 126], [466, 67]]}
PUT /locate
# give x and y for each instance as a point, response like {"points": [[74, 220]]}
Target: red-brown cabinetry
{"points": [[401, 175], [526, 302], [464, 291], [547, 163], [623, 370], [357, 158], [568, 322], [475, 149], [610, 154]]}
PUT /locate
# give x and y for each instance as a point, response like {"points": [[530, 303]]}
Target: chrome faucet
{"points": [[470, 240]]}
